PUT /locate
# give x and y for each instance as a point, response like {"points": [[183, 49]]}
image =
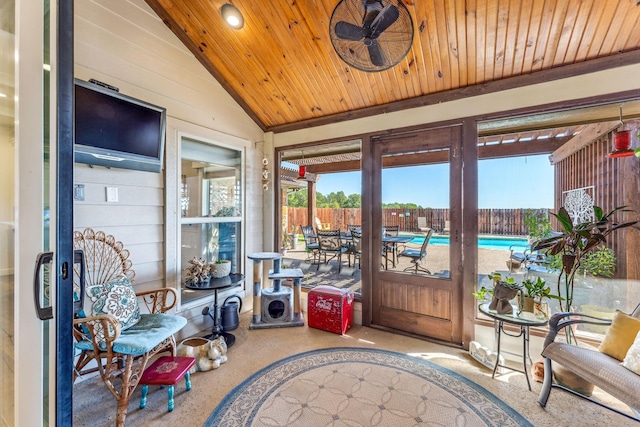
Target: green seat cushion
{"points": [[150, 331]]}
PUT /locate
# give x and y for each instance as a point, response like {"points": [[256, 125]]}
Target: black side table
{"points": [[524, 321], [233, 279]]}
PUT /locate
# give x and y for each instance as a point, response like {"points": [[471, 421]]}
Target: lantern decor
{"points": [[621, 140]]}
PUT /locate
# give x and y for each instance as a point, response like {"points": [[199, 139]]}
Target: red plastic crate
{"points": [[330, 309]]}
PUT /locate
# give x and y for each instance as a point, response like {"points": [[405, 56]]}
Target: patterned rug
{"points": [[360, 387]]}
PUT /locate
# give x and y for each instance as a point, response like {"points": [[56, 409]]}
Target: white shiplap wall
{"points": [[123, 43]]}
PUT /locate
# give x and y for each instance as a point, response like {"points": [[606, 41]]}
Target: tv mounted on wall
{"points": [[115, 130]]}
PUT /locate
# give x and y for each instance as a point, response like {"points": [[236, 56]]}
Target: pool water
{"points": [[503, 243]]}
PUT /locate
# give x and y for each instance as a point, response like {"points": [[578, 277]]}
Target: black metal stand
{"points": [[233, 279]]}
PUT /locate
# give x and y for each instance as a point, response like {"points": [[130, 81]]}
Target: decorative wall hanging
{"points": [[265, 174], [579, 204]]}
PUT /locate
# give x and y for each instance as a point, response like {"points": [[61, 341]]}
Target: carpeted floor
{"points": [[94, 406], [360, 387]]}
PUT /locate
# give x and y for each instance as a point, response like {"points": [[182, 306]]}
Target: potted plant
{"points": [[220, 268], [504, 289], [533, 295], [286, 243], [574, 242], [198, 272]]}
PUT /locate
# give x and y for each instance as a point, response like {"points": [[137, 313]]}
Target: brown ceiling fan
{"points": [[371, 35]]}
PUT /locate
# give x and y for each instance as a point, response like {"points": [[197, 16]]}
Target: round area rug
{"points": [[360, 387]]}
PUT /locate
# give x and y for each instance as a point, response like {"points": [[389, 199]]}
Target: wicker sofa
{"points": [[603, 371]]}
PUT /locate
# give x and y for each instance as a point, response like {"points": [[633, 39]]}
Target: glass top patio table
{"points": [[523, 320]]}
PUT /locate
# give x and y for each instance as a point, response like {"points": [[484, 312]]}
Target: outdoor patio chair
{"points": [[356, 246], [113, 333], [330, 244], [416, 256], [311, 244], [526, 258], [422, 224]]}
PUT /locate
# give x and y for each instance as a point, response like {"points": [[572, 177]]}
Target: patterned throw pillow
{"points": [[116, 298], [632, 359]]}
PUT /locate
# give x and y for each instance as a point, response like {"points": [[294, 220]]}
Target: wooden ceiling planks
{"points": [[282, 69]]}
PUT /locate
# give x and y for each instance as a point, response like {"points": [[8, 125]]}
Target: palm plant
{"points": [[574, 242]]}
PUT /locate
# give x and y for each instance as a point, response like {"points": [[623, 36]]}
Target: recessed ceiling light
{"points": [[2, 95], [232, 16]]}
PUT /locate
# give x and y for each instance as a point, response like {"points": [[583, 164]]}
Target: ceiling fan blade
{"points": [[384, 20], [348, 31], [375, 53]]}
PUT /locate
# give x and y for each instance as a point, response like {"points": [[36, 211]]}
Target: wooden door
{"points": [[418, 296]]}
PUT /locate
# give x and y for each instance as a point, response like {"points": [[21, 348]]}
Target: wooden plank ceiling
{"points": [[282, 69]]}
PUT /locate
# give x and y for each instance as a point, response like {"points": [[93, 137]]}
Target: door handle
{"points": [[78, 268], [44, 258]]}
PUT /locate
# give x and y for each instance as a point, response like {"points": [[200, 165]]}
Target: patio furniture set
{"points": [[333, 244]]}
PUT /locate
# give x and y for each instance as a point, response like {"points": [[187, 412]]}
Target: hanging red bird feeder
{"points": [[621, 144]]}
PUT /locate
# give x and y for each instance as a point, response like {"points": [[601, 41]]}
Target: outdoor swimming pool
{"points": [[483, 242]]}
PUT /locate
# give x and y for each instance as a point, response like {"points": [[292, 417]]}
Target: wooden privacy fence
{"points": [[507, 222]]}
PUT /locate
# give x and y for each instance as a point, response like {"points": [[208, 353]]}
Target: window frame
{"points": [[177, 132]]}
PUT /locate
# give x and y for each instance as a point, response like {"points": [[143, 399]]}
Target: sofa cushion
{"points": [[632, 359], [620, 335], [150, 331]]}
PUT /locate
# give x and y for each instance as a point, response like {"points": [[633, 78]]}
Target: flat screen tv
{"points": [[115, 130]]}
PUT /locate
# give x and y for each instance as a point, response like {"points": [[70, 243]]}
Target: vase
{"points": [[501, 298], [525, 304], [568, 379], [541, 310], [221, 269]]}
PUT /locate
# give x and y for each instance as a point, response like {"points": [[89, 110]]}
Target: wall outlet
{"points": [[78, 192], [112, 194]]}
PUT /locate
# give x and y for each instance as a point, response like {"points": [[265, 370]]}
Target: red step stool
{"points": [[167, 370]]}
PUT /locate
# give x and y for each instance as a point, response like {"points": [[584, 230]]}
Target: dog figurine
{"points": [[209, 354]]}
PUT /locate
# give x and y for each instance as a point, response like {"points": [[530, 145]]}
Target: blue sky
{"points": [[514, 182]]}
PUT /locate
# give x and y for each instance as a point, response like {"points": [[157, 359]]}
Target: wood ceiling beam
{"points": [[484, 152], [522, 148], [584, 138]]}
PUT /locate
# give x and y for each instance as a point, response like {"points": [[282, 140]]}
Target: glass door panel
{"points": [[415, 237], [416, 199]]}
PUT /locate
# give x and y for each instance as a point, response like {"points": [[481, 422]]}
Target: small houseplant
{"points": [[220, 268], [533, 295]]}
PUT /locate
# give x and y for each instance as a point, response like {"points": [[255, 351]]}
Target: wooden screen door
{"points": [[419, 296]]}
